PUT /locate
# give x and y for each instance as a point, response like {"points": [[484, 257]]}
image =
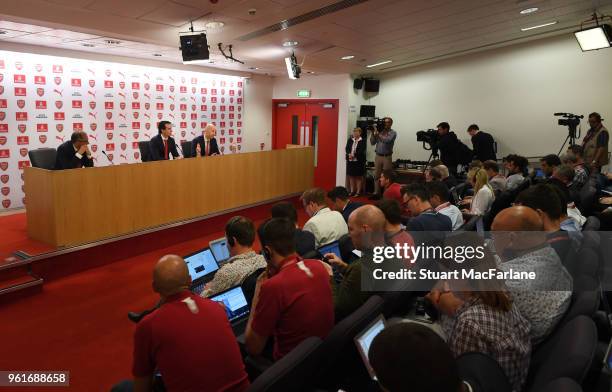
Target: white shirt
{"points": [[453, 213], [326, 226], [482, 201]]}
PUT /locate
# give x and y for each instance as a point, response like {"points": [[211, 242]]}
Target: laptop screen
{"points": [[220, 249], [201, 264], [235, 303], [332, 247], [364, 341]]}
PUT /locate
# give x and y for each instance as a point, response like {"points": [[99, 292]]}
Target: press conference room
{"points": [[306, 195]]}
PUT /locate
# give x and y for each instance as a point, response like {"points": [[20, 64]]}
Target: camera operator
{"points": [[384, 140], [482, 143], [449, 147], [595, 144]]}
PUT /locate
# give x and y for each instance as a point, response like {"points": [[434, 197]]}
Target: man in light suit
{"points": [[205, 145], [163, 145]]}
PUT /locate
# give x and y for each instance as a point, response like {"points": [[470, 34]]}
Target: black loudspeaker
{"points": [[367, 111], [357, 84], [372, 85]]}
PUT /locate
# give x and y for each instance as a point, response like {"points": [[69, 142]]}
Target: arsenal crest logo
{"points": [[92, 104], [123, 146], [222, 116], [122, 85], [183, 133], [93, 126], [136, 155], [59, 127], [94, 147], [23, 152], [147, 86], [2, 140], [222, 148], [110, 156], [193, 90], [42, 138], [6, 203], [19, 65], [147, 106], [203, 99], [223, 132], [135, 134], [159, 116], [193, 124], [109, 135], [20, 103], [38, 67], [148, 125], [122, 105], [240, 132], [21, 128], [183, 115], [171, 89], [57, 80], [135, 94], [135, 114], [3, 166], [1, 77], [109, 115], [222, 99], [92, 83], [171, 107], [2, 116], [231, 100], [40, 91], [1, 90], [4, 178], [59, 104], [108, 73]]}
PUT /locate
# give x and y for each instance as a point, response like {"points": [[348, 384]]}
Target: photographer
{"points": [[595, 144], [384, 140], [482, 143], [452, 151]]}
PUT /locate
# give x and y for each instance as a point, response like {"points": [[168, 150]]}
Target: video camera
{"points": [[570, 120], [429, 136]]}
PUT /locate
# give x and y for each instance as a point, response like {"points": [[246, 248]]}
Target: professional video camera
{"points": [[571, 121], [429, 136]]}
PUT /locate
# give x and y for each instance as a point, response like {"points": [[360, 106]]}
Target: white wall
{"points": [[510, 92], [323, 87]]}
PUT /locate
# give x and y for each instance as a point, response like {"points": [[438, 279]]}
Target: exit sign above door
{"points": [[303, 93]]}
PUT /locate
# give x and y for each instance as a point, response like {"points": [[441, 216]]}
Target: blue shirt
{"points": [[384, 142]]}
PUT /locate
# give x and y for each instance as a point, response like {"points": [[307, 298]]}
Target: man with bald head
{"points": [[74, 153], [206, 144], [172, 339], [520, 242], [367, 230]]}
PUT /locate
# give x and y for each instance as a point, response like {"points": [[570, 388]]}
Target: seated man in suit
{"points": [[326, 225], [74, 153], [163, 144], [206, 144], [341, 202], [304, 240]]}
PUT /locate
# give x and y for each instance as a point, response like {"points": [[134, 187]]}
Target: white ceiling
{"points": [[407, 32]]}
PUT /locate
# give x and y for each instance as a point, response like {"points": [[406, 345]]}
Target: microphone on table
{"points": [[180, 149], [107, 157]]}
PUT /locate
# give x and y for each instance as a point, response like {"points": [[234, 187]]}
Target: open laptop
{"points": [[332, 247], [220, 250], [236, 307], [364, 341], [201, 266]]}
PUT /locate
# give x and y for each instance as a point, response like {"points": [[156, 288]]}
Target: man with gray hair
{"points": [[74, 153], [206, 144], [440, 173], [573, 158]]}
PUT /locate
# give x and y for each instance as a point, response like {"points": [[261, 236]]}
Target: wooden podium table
{"points": [[72, 207]]}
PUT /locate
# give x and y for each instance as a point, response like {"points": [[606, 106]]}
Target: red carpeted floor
{"points": [[79, 322], [14, 235]]}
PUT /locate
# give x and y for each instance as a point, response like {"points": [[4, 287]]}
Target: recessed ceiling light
{"points": [[539, 26], [157, 54], [527, 11], [112, 42], [377, 64], [88, 45], [290, 44], [214, 25], [349, 57]]}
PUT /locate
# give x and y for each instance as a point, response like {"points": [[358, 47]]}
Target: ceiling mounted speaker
{"points": [[358, 84]]}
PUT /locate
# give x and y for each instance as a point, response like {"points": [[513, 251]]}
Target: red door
{"points": [[309, 123]]}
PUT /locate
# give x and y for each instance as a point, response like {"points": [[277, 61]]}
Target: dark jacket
{"points": [[214, 148], [453, 152], [66, 158], [350, 207], [484, 147], [304, 242], [156, 146], [360, 152]]}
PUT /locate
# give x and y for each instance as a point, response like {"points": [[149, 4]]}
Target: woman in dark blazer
{"points": [[355, 161]]}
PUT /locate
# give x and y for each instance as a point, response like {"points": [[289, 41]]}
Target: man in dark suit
{"points": [[483, 144], [74, 153], [163, 145], [341, 202], [205, 145]]}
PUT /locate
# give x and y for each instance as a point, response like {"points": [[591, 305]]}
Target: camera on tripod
{"points": [[429, 136], [571, 121]]}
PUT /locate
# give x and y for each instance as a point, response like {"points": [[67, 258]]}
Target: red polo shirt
{"points": [[193, 351], [293, 306], [393, 192]]}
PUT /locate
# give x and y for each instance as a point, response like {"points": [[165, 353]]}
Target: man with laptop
{"points": [[293, 298], [326, 225], [243, 261], [177, 338]]}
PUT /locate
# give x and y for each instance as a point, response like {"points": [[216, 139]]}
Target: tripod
{"points": [[433, 155], [571, 137]]}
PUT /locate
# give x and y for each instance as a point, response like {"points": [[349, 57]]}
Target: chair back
{"points": [[186, 147], [43, 158], [145, 151]]}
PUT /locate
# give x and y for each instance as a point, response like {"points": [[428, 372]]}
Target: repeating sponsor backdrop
{"points": [[44, 98]]}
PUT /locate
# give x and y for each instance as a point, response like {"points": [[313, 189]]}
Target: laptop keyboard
{"points": [[198, 288]]}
